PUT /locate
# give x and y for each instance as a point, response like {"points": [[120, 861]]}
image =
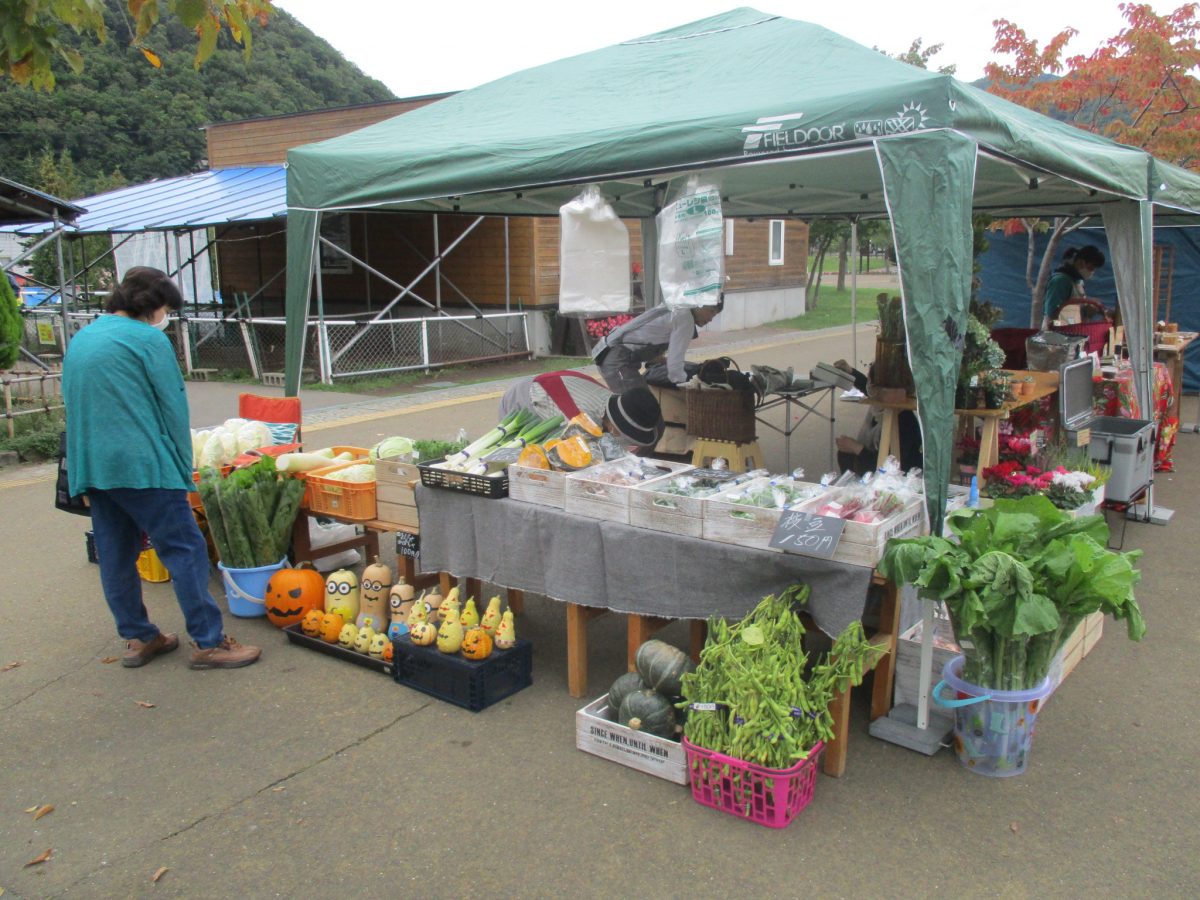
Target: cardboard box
{"points": [[596, 733]]}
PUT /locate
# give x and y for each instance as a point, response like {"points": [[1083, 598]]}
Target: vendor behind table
{"points": [[656, 333]]}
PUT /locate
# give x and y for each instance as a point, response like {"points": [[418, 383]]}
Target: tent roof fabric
{"points": [[801, 104], [20, 204], [215, 197]]}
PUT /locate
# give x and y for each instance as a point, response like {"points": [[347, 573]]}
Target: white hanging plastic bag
{"points": [[691, 249], [594, 257]]}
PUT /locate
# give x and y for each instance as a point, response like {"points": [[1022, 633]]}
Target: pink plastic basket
{"points": [[771, 797]]}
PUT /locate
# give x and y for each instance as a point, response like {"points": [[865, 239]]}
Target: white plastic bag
{"points": [[594, 257], [691, 249]]}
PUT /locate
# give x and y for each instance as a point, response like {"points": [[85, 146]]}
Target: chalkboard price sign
{"points": [[807, 535], [408, 544]]}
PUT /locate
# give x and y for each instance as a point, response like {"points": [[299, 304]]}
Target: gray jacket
{"points": [[651, 334]]}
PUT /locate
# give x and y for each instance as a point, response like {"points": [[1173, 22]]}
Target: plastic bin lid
{"points": [[1075, 393]]}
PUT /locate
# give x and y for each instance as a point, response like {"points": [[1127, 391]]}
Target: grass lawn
{"points": [[876, 265], [456, 374], [833, 308]]}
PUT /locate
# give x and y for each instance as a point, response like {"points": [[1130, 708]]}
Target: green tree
{"points": [[10, 325], [920, 57]]}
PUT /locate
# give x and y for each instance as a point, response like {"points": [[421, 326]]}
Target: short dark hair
{"points": [[1091, 255], [142, 291]]}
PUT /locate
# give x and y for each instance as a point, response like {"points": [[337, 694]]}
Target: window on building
{"points": [[775, 252], [729, 237]]}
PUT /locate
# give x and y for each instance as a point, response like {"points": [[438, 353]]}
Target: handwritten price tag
{"points": [[807, 535]]}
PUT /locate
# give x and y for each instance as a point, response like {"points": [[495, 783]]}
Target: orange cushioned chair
{"points": [[273, 410]]}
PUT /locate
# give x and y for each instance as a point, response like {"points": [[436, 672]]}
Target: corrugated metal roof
{"points": [[215, 197], [19, 203]]}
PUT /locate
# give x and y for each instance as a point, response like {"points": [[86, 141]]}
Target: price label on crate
{"points": [[807, 535], [408, 544]]}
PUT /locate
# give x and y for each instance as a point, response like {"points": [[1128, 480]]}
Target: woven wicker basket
{"points": [[721, 415]]}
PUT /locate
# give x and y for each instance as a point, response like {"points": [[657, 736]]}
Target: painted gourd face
{"points": [[378, 642], [399, 607], [423, 634], [341, 594], [362, 641], [291, 593], [470, 615], [388, 651], [448, 610], [331, 627], [374, 588], [477, 644], [311, 623], [348, 635], [450, 635]]}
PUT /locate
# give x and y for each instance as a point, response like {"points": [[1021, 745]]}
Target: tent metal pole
{"points": [[62, 284], [323, 361], [854, 297], [507, 291], [437, 259]]}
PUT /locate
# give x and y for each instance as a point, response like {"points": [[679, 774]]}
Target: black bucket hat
{"points": [[637, 416]]}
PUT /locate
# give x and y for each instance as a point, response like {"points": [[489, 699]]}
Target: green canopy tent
{"points": [[787, 119]]}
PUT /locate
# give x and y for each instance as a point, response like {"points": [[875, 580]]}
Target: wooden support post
{"points": [[698, 635], [834, 763], [577, 663], [640, 629], [445, 582], [885, 668], [473, 588], [516, 601]]}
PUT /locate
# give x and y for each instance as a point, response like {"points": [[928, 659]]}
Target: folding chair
{"points": [[281, 414]]}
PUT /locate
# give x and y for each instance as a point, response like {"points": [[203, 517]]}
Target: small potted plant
{"points": [[994, 387]]}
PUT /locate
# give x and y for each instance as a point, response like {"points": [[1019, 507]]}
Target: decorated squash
{"points": [[476, 643], [348, 635], [622, 688], [341, 594], [450, 635], [366, 634], [378, 642], [470, 615], [373, 593], [661, 666], [506, 632], [418, 613], [533, 457], [311, 623], [400, 601], [449, 603], [292, 593], [647, 711], [433, 602], [423, 634], [331, 627], [491, 616], [388, 652]]}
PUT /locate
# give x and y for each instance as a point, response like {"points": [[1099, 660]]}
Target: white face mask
{"points": [[162, 323]]}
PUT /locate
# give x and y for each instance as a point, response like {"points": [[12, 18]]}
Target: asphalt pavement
{"points": [[305, 776]]}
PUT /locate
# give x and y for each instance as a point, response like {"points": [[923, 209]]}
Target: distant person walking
{"points": [[129, 449]]}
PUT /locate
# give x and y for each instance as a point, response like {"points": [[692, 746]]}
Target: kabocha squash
{"points": [[311, 623], [373, 596], [450, 635], [292, 593], [622, 688], [506, 633], [661, 666], [476, 644], [648, 711], [582, 425], [571, 454], [423, 634], [491, 616], [533, 457], [470, 615]]}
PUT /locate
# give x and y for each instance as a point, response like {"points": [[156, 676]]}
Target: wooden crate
{"points": [[1093, 631], [395, 492], [392, 470], [586, 496], [596, 733], [544, 487], [397, 514], [863, 544], [747, 526], [401, 492], [672, 513]]}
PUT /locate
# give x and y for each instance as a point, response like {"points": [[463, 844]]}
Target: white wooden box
{"points": [[596, 733], [650, 507], [544, 487], [395, 471], [747, 526], [863, 544], [596, 499]]}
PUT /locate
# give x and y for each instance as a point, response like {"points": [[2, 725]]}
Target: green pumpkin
{"points": [[648, 711], [621, 688], [661, 666]]}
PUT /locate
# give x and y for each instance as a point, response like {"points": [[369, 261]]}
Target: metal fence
{"points": [[338, 348]]}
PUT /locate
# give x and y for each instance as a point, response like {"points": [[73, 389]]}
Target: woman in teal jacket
{"points": [[129, 448]]}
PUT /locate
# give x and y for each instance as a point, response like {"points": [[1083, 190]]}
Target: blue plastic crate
{"points": [[471, 684]]}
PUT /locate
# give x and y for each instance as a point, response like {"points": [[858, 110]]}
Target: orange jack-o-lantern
{"points": [[477, 644], [291, 593], [331, 627], [311, 623], [423, 633]]}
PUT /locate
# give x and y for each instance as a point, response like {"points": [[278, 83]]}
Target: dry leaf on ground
{"points": [[144, 704], [34, 808], [162, 870], [12, 665], [40, 858], [44, 811], [1012, 827], [109, 659]]}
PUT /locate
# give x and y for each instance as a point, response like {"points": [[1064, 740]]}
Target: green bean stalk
{"points": [[771, 705]]}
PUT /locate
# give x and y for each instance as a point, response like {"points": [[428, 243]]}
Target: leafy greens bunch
{"points": [[1018, 579], [250, 513]]}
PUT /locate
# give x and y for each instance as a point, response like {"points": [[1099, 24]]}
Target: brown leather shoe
{"points": [[138, 653], [228, 654]]}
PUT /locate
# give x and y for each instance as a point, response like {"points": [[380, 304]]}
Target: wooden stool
{"points": [[741, 457]]}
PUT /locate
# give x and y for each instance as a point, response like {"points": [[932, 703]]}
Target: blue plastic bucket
{"points": [[246, 589], [993, 730]]}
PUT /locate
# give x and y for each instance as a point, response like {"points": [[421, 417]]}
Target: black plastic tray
{"points": [[297, 636], [491, 486], [471, 684]]}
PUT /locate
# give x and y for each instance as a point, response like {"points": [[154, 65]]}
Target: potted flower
{"points": [[1067, 489], [968, 454], [993, 385]]}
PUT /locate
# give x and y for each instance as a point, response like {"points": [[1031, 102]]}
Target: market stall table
{"points": [[1169, 350], [1045, 384], [599, 566]]}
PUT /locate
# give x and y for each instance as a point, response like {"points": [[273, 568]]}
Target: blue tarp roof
{"points": [[215, 197]]}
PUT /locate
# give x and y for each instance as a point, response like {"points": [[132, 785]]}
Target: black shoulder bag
{"points": [[62, 492]]}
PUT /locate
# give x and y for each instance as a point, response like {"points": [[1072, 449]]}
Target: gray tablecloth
{"points": [[620, 567]]}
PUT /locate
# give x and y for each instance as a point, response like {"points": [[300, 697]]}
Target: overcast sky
{"points": [[426, 48]]}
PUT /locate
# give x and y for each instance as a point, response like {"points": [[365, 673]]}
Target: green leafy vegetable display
{"points": [[1017, 581], [250, 513], [754, 695]]}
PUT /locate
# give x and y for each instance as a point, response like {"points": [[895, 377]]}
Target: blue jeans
{"points": [[119, 517]]}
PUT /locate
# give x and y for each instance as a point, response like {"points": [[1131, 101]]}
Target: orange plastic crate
{"points": [[340, 499], [357, 454]]}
